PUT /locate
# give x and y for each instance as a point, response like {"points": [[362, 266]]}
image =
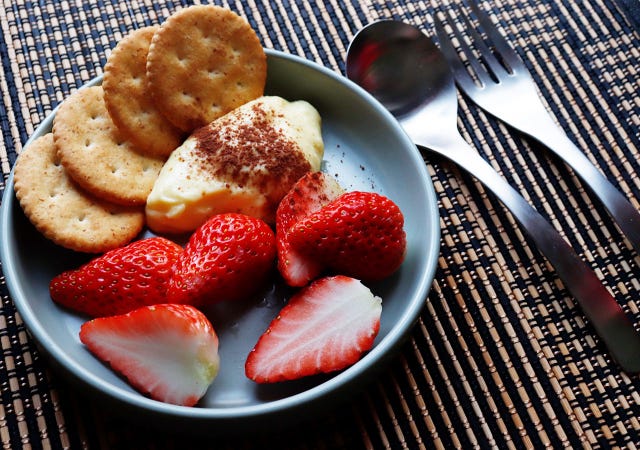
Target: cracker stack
{"points": [[85, 184]]}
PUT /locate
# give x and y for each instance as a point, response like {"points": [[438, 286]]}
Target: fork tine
{"points": [[446, 45], [506, 52], [460, 71], [485, 52]]}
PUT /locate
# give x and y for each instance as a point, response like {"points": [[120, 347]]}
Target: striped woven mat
{"points": [[501, 355]]}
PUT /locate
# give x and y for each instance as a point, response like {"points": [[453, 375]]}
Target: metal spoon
{"points": [[405, 71]]}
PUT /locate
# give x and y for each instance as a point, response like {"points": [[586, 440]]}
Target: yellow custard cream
{"points": [[245, 162]]}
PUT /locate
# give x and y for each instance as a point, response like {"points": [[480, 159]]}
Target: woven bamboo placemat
{"points": [[501, 355]]}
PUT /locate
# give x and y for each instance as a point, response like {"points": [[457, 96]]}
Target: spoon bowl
{"points": [[405, 71]]}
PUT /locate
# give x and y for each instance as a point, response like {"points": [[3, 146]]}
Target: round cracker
{"points": [[203, 62], [63, 212], [96, 156], [128, 101]]}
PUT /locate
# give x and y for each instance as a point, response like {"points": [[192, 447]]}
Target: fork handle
{"points": [[606, 315], [620, 208]]}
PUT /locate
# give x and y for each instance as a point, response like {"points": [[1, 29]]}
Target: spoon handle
{"points": [[541, 127], [607, 317]]}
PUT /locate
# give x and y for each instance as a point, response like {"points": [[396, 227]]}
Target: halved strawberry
{"points": [[359, 234], [309, 194], [229, 257], [120, 280], [325, 327], [167, 351]]}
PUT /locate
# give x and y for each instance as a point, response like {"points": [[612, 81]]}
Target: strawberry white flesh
{"points": [[295, 267], [169, 352], [325, 327]]}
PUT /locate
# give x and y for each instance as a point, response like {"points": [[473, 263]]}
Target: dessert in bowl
{"points": [[364, 149]]}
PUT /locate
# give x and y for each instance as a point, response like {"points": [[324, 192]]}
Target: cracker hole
{"points": [[205, 32], [181, 54], [81, 218]]}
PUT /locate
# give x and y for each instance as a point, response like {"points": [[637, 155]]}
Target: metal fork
{"points": [[494, 81]]}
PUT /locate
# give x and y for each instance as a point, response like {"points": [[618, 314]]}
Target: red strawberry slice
{"points": [[359, 234], [229, 257], [167, 351], [325, 327], [309, 194], [120, 280]]}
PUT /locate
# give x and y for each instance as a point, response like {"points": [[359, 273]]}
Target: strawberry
{"points": [[327, 326], [167, 351], [120, 280], [359, 234], [229, 257], [309, 194]]}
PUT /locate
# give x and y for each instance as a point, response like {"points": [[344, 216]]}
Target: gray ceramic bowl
{"points": [[367, 150]]}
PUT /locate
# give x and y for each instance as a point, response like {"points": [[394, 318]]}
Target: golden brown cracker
{"points": [[203, 62], [96, 156], [128, 101], [62, 211]]}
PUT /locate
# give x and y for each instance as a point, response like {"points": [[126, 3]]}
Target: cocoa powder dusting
{"points": [[251, 153]]}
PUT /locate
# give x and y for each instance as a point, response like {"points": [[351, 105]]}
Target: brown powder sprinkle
{"points": [[251, 152]]}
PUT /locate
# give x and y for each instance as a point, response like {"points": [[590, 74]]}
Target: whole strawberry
{"points": [[359, 234], [167, 351], [228, 258], [120, 280]]}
